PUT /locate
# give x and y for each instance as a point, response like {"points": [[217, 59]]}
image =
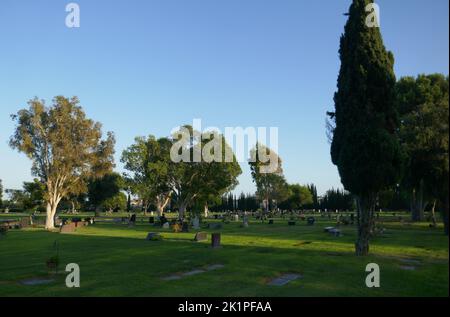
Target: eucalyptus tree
{"points": [[65, 147], [267, 174]]}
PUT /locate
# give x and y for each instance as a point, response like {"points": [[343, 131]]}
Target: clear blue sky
{"points": [[144, 67]]}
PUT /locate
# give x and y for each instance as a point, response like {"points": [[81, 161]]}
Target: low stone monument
{"points": [[68, 228], [200, 236]]}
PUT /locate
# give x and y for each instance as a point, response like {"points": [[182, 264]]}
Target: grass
{"points": [[116, 260]]}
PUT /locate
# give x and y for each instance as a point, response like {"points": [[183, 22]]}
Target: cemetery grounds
{"points": [[117, 260]]}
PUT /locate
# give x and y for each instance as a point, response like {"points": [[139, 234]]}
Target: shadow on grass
{"points": [[132, 266]]}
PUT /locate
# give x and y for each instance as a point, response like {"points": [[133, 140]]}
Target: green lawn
{"points": [[117, 261]]}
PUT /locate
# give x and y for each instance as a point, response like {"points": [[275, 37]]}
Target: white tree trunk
{"points": [[161, 203], [50, 218], [433, 214], [206, 211], [159, 210]]}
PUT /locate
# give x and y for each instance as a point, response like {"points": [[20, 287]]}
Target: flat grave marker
{"points": [[284, 279]]}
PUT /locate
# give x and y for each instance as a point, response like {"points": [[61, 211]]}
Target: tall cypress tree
{"points": [[365, 146]]}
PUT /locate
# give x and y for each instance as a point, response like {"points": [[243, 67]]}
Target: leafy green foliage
{"points": [[150, 170], [336, 199], [198, 182], [117, 202], [105, 189], [423, 103], [424, 106], [34, 193], [298, 197]]}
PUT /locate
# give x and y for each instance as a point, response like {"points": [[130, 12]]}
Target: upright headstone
{"points": [[196, 223], [215, 240], [245, 222], [151, 220], [185, 227]]}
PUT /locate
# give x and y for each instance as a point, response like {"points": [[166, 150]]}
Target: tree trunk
{"points": [[206, 211], [365, 206], [161, 203], [433, 214], [159, 210], [50, 218], [417, 204]]}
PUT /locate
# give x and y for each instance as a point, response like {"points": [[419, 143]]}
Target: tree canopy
{"points": [[298, 197], [198, 181], [424, 109], [65, 147], [150, 170], [267, 174]]}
